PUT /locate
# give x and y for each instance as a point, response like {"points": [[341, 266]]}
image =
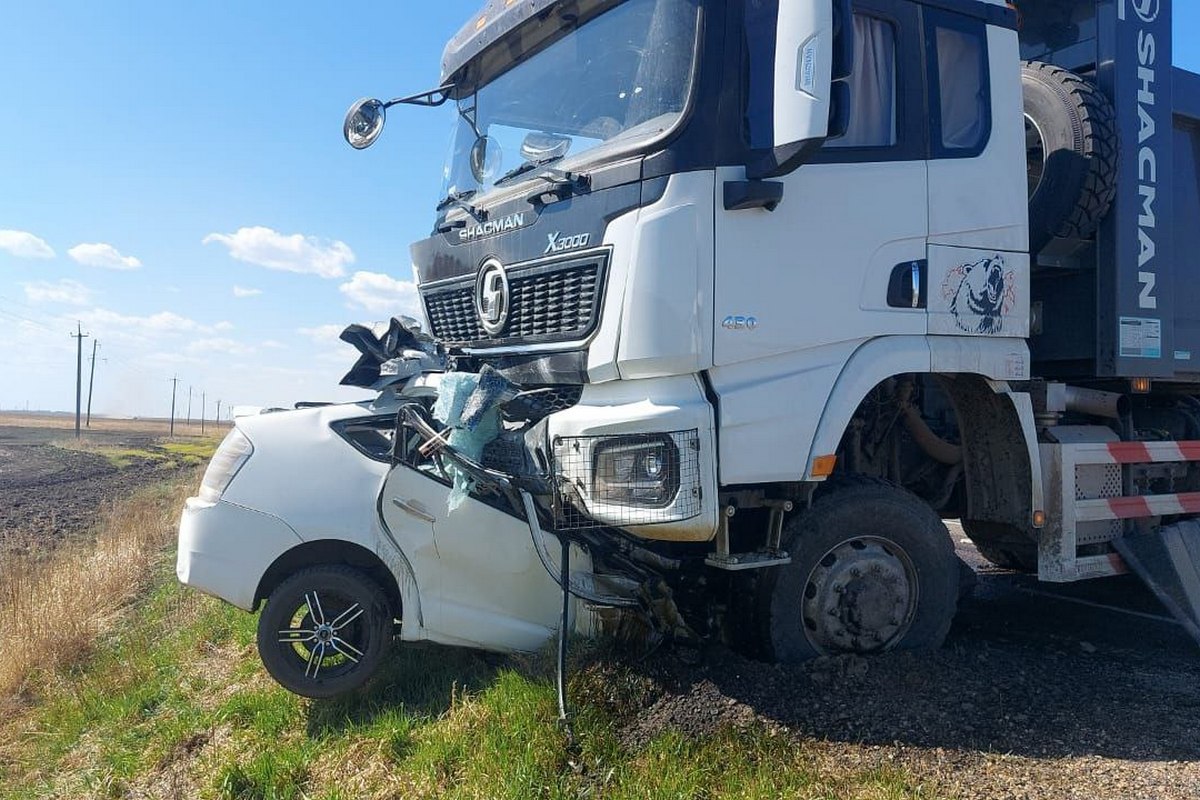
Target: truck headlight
{"points": [[229, 458], [638, 470]]}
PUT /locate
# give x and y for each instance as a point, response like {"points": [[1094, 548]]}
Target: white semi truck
{"points": [[732, 303]]}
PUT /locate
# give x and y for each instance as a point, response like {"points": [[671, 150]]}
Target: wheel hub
{"points": [[860, 597]]}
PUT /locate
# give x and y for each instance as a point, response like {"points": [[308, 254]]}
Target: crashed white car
{"points": [[305, 510]]}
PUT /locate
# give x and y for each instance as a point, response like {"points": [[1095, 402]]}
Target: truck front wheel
{"points": [[873, 569], [324, 631]]}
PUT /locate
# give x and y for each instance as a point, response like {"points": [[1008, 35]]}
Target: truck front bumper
{"points": [[225, 549]]}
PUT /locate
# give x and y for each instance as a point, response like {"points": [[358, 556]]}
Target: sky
{"points": [[173, 178]]}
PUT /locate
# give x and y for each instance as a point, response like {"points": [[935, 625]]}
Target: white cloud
{"points": [[100, 254], [64, 291], [23, 244], [323, 334], [241, 291], [381, 294], [219, 345], [287, 253], [224, 325], [164, 322]]}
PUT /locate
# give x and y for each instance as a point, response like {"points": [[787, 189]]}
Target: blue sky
{"points": [[174, 176]]}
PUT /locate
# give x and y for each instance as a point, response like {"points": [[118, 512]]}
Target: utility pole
{"points": [[203, 400], [189, 406], [78, 336], [92, 380], [174, 383], [218, 414]]}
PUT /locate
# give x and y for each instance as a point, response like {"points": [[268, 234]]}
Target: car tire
{"points": [[324, 631], [1072, 153], [873, 569]]}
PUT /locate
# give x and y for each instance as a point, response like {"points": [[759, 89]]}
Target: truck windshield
{"points": [[610, 85]]}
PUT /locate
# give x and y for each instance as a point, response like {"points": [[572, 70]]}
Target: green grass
{"points": [[176, 704], [167, 453]]}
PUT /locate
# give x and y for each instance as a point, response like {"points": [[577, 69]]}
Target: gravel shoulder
{"points": [[1040, 692]]}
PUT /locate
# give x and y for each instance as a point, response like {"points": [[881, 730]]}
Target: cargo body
{"points": [[1126, 305]]}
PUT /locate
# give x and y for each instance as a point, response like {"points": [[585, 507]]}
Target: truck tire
{"points": [[324, 631], [873, 569], [1071, 150], [1006, 546]]}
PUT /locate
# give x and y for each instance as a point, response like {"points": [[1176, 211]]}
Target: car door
{"points": [[481, 581]]}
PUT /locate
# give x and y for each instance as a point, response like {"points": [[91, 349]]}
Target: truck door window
{"points": [[758, 71], [960, 75], [872, 86]]}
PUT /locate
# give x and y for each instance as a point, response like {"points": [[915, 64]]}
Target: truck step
{"points": [[1169, 563], [735, 562]]}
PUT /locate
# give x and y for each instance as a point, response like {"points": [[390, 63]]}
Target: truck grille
{"points": [[548, 302]]}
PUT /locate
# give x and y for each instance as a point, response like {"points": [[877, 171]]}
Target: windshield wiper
{"points": [[563, 184], [459, 200], [527, 166]]}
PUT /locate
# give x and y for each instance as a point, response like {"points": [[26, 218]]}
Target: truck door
{"points": [[836, 260], [978, 196]]}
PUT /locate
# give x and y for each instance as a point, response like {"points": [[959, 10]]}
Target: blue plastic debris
{"points": [[468, 397]]}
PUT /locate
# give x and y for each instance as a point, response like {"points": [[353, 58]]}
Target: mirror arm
{"points": [[783, 159], [432, 97]]}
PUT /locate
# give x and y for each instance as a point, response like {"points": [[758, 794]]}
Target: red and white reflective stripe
{"points": [[1154, 505], [1149, 452]]}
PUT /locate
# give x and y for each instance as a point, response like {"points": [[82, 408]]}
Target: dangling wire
{"points": [[564, 632]]}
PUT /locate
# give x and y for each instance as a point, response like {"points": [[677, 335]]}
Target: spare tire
{"points": [[1071, 149]]}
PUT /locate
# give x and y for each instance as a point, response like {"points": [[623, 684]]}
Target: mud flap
{"points": [[1169, 563]]}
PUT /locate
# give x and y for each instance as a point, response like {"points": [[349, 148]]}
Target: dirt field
{"points": [[48, 492], [1082, 691]]}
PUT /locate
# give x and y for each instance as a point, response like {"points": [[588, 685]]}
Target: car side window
{"points": [[960, 85], [371, 436]]}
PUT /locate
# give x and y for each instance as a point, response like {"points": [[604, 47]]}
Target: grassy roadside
{"points": [[166, 453], [161, 695]]}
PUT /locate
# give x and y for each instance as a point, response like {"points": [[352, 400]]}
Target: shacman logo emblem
{"points": [[1147, 10], [491, 296]]}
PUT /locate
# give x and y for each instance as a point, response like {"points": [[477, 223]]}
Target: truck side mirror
{"points": [[814, 55]]}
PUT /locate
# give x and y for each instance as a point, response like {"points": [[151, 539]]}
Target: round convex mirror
{"points": [[364, 123], [486, 158]]}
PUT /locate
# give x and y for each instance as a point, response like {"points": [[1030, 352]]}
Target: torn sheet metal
{"points": [[404, 350]]}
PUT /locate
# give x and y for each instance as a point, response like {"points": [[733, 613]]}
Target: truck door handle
{"points": [[409, 508], [908, 285]]}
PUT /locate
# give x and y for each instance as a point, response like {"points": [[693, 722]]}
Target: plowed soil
{"points": [[48, 492]]}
